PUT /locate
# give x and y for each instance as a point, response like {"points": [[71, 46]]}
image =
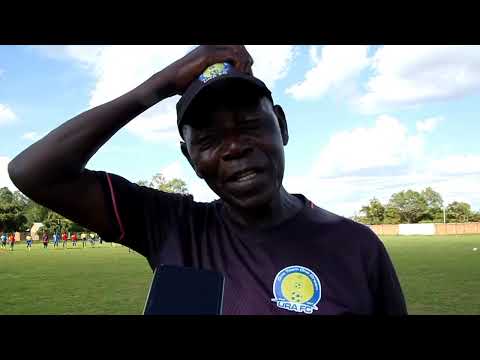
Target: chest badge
{"points": [[297, 288]]}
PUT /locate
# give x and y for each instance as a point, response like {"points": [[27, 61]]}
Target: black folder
{"points": [[177, 290]]}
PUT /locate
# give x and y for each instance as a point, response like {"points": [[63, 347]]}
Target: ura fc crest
{"points": [[297, 288]]}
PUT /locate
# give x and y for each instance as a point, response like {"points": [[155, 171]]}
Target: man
{"points": [[45, 240], [29, 242], [3, 239], [74, 239], [56, 239], [64, 239], [92, 239], [83, 236], [11, 239], [279, 252]]}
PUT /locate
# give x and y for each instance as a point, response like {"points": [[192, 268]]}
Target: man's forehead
{"points": [[239, 109], [223, 112], [239, 112]]}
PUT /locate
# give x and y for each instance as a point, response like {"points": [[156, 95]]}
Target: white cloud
{"points": [[157, 124], [173, 170], [7, 116], [313, 52], [120, 68], [2, 72], [346, 195], [368, 162], [32, 135], [380, 160], [4, 178], [85, 54], [429, 124], [456, 165], [402, 75], [200, 190], [386, 144], [271, 62], [408, 75], [336, 65], [196, 186]]}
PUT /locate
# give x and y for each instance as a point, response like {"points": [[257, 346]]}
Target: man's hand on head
{"points": [[182, 72]]}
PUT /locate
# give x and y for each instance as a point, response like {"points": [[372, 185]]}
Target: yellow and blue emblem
{"points": [[297, 288], [215, 70]]}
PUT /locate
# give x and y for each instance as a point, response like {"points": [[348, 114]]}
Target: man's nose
{"points": [[235, 147]]}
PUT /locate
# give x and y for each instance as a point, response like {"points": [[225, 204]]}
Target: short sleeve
{"points": [[143, 218], [387, 292]]}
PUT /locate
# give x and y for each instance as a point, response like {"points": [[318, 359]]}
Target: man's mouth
{"points": [[246, 176], [243, 175]]}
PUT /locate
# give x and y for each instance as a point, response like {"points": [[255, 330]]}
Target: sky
{"points": [[364, 121]]}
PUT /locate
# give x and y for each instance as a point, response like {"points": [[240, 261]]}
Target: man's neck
{"points": [[282, 207]]}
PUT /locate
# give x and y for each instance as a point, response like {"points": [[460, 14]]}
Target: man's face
{"points": [[238, 150]]}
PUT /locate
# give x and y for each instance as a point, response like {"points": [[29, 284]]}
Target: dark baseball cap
{"points": [[214, 77]]}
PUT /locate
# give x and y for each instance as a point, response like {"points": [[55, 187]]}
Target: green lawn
{"points": [[439, 275], [100, 280]]}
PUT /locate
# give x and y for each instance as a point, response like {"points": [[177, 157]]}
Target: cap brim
{"points": [[199, 89]]}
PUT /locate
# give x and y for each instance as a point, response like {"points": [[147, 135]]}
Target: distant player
{"points": [[29, 242], [74, 239], [11, 240], [45, 240], [64, 239], [56, 239], [3, 239], [83, 236], [92, 239]]}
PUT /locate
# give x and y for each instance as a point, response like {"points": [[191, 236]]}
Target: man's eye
{"points": [[250, 125], [206, 142]]}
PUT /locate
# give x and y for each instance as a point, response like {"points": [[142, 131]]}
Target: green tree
{"points": [[20, 199], [175, 186], [12, 207], [475, 217], [159, 182], [359, 218], [56, 222], [18, 213], [36, 213], [6, 196], [411, 206], [143, 183], [374, 212], [392, 215], [12, 218], [434, 203], [458, 212]]}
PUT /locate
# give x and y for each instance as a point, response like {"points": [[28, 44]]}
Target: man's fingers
{"points": [[237, 55]]}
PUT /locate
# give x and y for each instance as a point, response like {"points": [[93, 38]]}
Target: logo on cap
{"points": [[215, 70], [297, 288]]}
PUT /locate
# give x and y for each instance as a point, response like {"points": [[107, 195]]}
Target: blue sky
{"points": [[364, 121]]}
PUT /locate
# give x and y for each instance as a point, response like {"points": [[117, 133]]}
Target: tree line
{"points": [[411, 207], [19, 213]]}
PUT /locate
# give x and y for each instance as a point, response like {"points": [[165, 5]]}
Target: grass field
{"points": [[439, 275]]}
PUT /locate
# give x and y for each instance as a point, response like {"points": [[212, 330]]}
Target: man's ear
{"points": [[183, 147], [282, 122]]}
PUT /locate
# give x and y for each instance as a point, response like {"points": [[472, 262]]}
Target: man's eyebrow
{"points": [[198, 133], [256, 116]]}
